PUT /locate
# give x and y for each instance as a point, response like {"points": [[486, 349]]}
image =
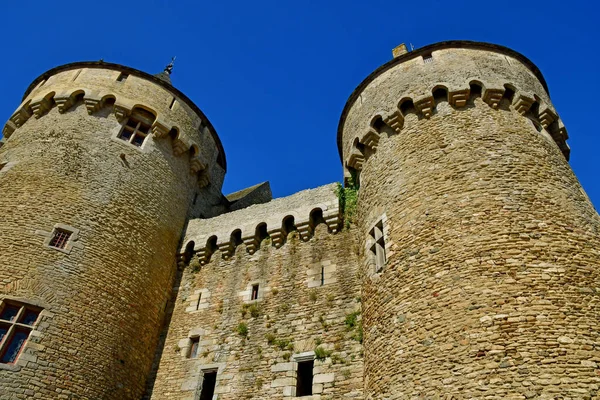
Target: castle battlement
{"points": [[301, 211]]}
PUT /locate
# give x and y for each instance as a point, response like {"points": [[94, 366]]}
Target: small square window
{"points": [[427, 58], [122, 77], [194, 347], [254, 295], [134, 131], [16, 323], [60, 237]]}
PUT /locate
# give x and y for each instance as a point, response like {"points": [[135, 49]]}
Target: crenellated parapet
{"points": [[504, 98], [162, 128], [456, 73], [300, 212]]}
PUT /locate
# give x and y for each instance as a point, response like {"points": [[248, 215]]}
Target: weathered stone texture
{"points": [[104, 300], [291, 317], [491, 284]]}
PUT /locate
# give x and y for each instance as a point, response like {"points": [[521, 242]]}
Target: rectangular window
{"points": [[194, 347], [322, 275], [378, 246], [60, 237], [304, 378], [427, 58], [208, 385], [122, 77], [254, 295], [134, 131], [172, 105], [16, 323]]}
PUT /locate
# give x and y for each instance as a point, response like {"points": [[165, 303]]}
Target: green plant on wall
{"points": [[348, 197], [242, 329]]}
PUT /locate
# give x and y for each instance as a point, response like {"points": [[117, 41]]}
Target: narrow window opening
{"points": [[2, 165], [254, 295], [42, 83], [194, 347], [60, 238], [198, 302], [322, 275], [304, 378], [208, 385], [378, 246], [172, 103], [76, 75], [427, 58], [122, 77]]}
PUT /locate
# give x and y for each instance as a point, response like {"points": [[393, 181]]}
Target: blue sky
{"points": [[273, 76]]}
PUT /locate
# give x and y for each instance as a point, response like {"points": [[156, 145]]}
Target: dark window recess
{"points": [[2, 165], [427, 58], [322, 275], [194, 347], [254, 295], [172, 103], [304, 379], [16, 323], [60, 238], [208, 385], [122, 77]]}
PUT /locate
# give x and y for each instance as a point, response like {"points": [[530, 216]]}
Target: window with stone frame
{"points": [[254, 294], [17, 320], [377, 247], [137, 127], [304, 378], [195, 344], [60, 238]]}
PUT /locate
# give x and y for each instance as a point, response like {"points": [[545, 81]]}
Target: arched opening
{"points": [[509, 93], [235, 239], [189, 252], [475, 90], [211, 247], [359, 146], [261, 233], [174, 134], [440, 94], [378, 124], [407, 106], [316, 218], [193, 151], [288, 225]]}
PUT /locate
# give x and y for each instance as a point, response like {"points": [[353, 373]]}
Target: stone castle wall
{"points": [[104, 298], [490, 285], [298, 310]]}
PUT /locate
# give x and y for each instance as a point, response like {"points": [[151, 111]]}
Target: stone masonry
{"points": [[468, 266]]}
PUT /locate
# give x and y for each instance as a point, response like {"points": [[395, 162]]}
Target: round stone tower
{"points": [[100, 166], [481, 250]]}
